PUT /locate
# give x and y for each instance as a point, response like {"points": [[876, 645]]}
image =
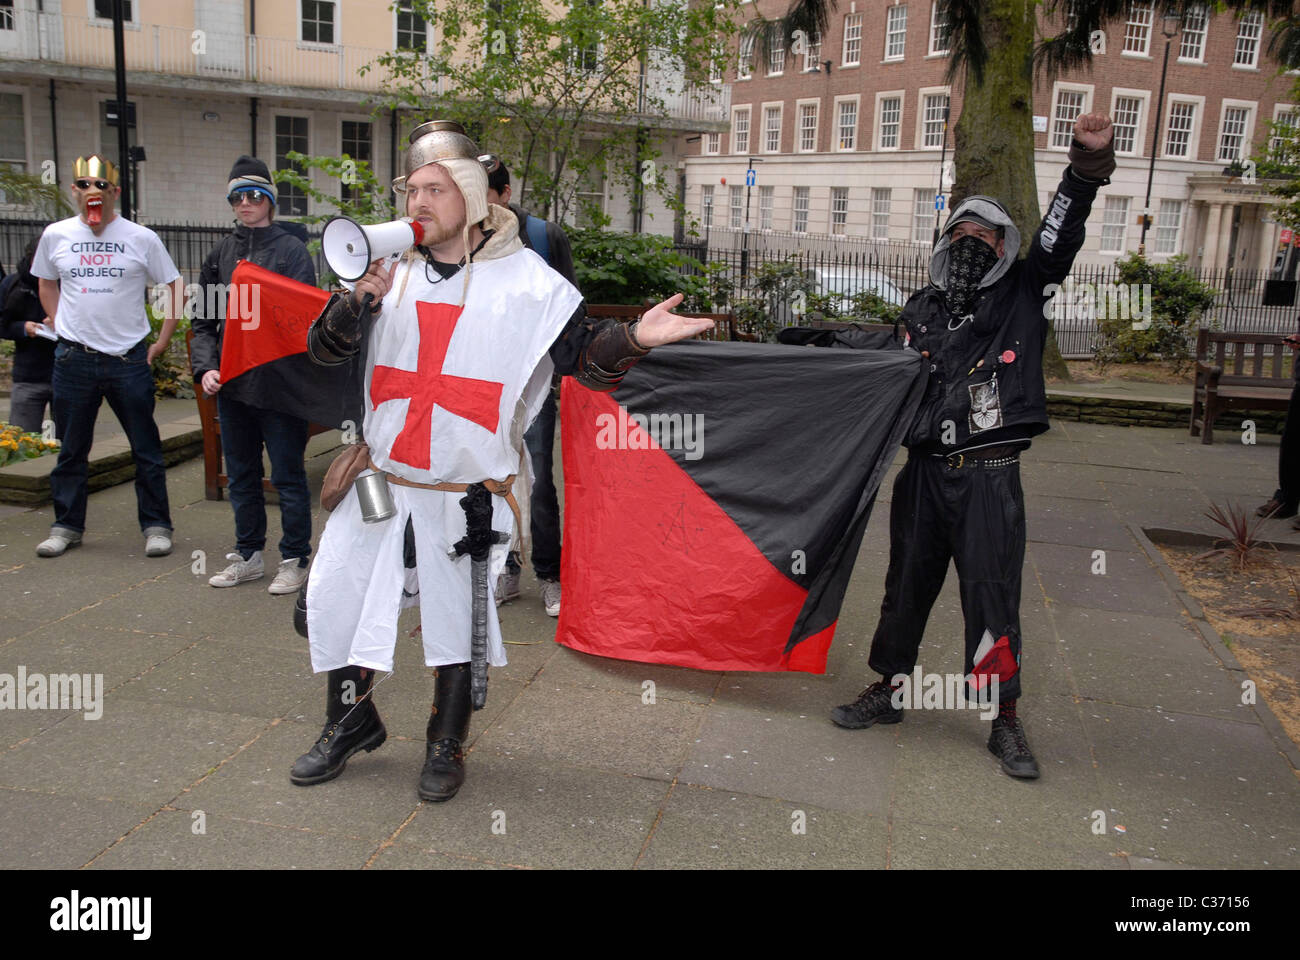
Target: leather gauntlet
{"points": [[607, 358], [335, 335]]}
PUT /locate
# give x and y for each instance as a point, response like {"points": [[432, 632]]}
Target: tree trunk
{"points": [[994, 139]]}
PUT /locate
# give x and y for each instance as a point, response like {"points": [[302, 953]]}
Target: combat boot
{"points": [[351, 724], [444, 764]]}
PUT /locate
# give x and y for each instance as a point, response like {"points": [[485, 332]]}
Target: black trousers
{"points": [[974, 515], [1288, 457]]}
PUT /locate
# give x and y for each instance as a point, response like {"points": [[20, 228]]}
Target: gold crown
{"points": [[97, 167]]}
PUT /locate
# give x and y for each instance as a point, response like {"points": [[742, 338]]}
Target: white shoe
{"points": [[289, 578], [551, 597], [60, 540], [240, 571], [157, 542]]}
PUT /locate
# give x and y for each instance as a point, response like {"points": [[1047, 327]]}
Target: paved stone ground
{"points": [[210, 697]]}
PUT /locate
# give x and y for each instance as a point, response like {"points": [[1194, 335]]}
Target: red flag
{"points": [[267, 317]]}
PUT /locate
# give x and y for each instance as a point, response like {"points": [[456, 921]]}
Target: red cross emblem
{"points": [[427, 386]]}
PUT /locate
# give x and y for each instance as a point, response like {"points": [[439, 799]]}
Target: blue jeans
{"points": [[545, 504], [243, 431], [82, 379]]}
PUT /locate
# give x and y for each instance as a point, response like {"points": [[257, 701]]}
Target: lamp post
{"points": [[744, 240], [1170, 25], [943, 151]]}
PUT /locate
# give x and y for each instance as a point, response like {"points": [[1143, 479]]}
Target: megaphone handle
{"points": [[366, 301]]}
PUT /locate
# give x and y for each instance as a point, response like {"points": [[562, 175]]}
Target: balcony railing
{"points": [[240, 57]]}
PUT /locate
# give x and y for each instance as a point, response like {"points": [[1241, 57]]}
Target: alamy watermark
{"points": [[666, 431], [55, 691], [945, 691], [222, 301], [1099, 301]]}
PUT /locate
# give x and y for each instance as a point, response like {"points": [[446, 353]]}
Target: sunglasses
{"points": [[252, 196], [86, 184]]}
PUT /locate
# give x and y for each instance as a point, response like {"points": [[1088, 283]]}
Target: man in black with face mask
{"points": [[980, 324]]}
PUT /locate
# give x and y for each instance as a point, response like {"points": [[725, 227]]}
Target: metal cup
{"points": [[374, 497]]}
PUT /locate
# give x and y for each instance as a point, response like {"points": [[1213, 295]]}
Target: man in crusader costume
{"points": [[458, 342], [980, 323]]}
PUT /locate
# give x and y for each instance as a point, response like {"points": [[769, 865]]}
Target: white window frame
{"points": [[830, 223], [932, 216], [707, 208], [428, 32], [844, 42], [921, 94], [745, 55], [889, 11], [775, 44], [1123, 225], [1248, 134], [934, 34], [883, 95], [816, 104], [749, 129], [712, 144], [1145, 52], [94, 21], [7, 204], [812, 54], [1178, 230], [856, 100], [875, 214], [770, 193], [736, 207], [1058, 88], [1194, 137], [1144, 111], [1204, 32], [338, 27], [1275, 142], [779, 107], [1254, 16], [794, 209]]}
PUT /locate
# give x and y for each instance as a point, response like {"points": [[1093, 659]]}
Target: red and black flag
{"points": [[264, 359], [715, 503]]}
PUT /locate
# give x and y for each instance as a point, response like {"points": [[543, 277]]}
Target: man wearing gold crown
{"points": [[93, 270], [459, 344]]}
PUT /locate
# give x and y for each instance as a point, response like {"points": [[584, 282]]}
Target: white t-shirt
{"points": [[103, 280]]}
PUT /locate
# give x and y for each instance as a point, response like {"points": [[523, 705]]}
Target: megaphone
{"points": [[350, 247]]}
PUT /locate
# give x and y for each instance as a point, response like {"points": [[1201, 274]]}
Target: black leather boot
{"points": [[444, 764], [361, 730]]}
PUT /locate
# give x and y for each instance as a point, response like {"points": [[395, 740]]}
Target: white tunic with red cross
{"points": [[449, 393]]}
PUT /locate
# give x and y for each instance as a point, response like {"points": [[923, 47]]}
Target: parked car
{"points": [[848, 284]]}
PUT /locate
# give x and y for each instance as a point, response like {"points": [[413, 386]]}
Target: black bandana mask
{"points": [[969, 259]]}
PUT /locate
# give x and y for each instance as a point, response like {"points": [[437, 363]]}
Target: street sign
{"points": [[751, 177], [938, 201]]}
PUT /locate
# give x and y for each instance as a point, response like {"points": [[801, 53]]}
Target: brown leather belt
{"points": [[500, 488]]}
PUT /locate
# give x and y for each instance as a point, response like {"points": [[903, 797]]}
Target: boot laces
{"points": [[445, 749]]}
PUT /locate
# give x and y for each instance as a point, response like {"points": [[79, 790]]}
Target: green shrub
{"points": [[1174, 299], [631, 268]]}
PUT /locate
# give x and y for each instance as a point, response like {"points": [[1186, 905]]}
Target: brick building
{"points": [[850, 131], [211, 79]]}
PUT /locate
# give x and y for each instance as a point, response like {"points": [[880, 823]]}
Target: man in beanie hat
{"points": [[980, 323], [459, 342], [93, 270], [252, 405]]}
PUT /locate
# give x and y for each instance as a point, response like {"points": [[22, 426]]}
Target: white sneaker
{"points": [[288, 578], [60, 540], [551, 597], [240, 571], [157, 541]]}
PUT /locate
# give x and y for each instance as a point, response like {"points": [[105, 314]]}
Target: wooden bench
{"points": [[214, 480], [1258, 382], [724, 321]]}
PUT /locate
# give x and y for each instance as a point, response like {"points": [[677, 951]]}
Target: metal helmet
{"points": [[445, 142]]}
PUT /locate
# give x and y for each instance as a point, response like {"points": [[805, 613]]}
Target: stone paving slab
{"points": [[73, 830], [211, 698]]}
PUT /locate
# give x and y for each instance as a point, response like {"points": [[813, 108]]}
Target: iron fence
{"points": [[1245, 302]]}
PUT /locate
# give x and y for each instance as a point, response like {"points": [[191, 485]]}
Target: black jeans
{"points": [[82, 380], [1288, 457], [545, 503], [243, 431], [974, 515]]}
